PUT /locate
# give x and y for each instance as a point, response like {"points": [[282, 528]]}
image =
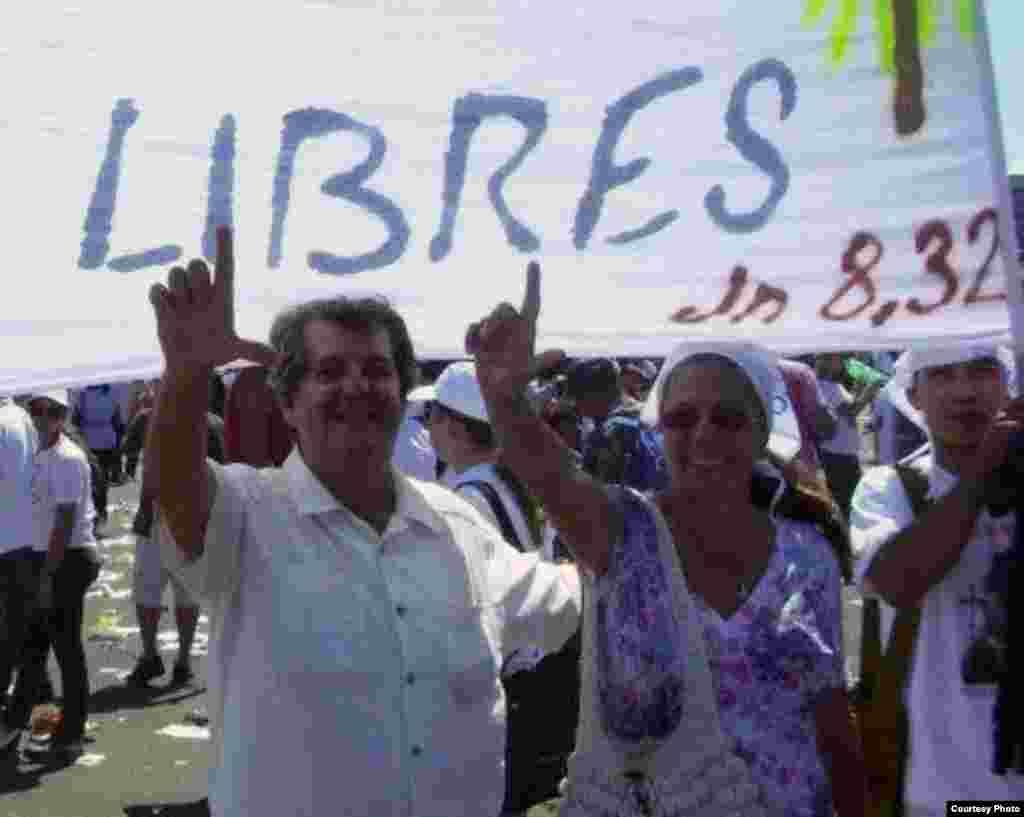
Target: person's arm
{"points": [[60, 536], [175, 470], [911, 562], [840, 749], [918, 557], [70, 484], [196, 325], [577, 505]]}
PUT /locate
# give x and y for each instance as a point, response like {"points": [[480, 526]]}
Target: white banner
{"points": [[778, 170]]}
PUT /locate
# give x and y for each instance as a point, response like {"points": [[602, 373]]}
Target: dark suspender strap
{"points": [[895, 660], [489, 492]]}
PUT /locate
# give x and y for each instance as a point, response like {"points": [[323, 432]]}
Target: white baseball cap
{"points": [[457, 388], [59, 396]]}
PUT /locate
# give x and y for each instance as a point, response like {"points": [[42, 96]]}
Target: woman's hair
{"points": [[807, 500]]}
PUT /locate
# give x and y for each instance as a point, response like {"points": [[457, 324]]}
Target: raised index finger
{"points": [[224, 282], [531, 300]]}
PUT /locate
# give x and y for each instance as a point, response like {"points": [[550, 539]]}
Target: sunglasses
{"points": [[433, 410], [723, 417]]}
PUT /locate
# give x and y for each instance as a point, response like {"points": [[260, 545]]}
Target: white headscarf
{"points": [[758, 364], [916, 360]]}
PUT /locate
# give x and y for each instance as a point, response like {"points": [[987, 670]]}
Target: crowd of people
{"points": [[520, 576]]}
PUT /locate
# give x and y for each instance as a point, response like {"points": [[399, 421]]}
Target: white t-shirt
{"points": [[18, 445], [62, 478], [950, 721], [356, 673], [846, 441]]}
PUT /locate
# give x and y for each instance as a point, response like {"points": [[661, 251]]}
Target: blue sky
{"points": [[1006, 28]]}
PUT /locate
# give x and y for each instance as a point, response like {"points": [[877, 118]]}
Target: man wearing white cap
{"points": [[460, 431], [63, 513], [18, 582], [943, 561]]}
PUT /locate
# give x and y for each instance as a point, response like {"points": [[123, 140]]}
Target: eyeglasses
{"points": [[723, 417]]}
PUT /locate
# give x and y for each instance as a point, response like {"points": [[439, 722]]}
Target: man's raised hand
{"points": [[195, 315]]}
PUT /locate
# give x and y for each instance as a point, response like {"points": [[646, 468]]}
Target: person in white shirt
{"points": [[944, 562], [63, 514], [19, 579], [359, 616]]}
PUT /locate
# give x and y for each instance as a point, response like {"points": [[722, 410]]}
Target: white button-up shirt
{"points": [[354, 673]]}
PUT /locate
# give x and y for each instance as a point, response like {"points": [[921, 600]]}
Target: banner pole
{"points": [[1001, 181]]}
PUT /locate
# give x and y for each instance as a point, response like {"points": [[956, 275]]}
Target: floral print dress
{"points": [[772, 660]]}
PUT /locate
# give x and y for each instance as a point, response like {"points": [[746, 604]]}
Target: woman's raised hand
{"points": [[503, 345], [195, 315]]}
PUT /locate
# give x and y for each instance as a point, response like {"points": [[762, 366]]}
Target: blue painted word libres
{"points": [[468, 113]]}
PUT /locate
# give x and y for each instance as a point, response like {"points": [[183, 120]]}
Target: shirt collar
{"points": [[311, 496]]}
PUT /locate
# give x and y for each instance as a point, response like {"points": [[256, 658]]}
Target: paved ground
{"points": [[129, 766], [146, 756]]}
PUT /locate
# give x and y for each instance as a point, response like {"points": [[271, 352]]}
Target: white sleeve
{"points": [[214, 575], [68, 480], [879, 510], [539, 602]]}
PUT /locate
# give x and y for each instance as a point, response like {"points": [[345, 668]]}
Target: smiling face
{"points": [[348, 406], [960, 401], [714, 428]]}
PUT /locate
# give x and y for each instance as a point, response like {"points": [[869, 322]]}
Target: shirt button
{"points": [[417, 751], [400, 609], [410, 678]]}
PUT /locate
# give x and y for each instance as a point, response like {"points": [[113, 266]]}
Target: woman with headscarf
{"points": [[712, 622]]}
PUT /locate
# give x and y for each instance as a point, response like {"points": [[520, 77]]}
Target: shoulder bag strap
{"points": [[508, 530], [904, 631], [894, 661]]}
